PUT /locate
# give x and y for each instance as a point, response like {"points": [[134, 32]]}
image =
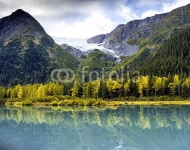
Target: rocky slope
{"points": [[129, 38], [77, 53], [27, 53]]}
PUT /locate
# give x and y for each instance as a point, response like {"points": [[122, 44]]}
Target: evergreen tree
{"points": [[174, 85], [75, 89], [2, 93]]}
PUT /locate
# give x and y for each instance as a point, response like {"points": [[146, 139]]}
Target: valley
{"points": [[119, 81], [143, 59]]}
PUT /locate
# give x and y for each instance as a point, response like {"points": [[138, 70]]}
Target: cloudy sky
{"points": [[86, 18]]}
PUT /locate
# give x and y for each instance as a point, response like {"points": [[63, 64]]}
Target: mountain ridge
{"points": [[137, 32]]}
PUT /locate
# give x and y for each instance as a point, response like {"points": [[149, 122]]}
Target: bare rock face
{"points": [[97, 39], [74, 51], [19, 23]]}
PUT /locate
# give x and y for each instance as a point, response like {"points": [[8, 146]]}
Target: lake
{"points": [[94, 128]]}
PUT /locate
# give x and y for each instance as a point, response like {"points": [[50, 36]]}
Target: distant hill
{"points": [[27, 53], [97, 61]]}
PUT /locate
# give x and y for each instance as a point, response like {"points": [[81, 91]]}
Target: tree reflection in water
{"points": [[94, 128]]}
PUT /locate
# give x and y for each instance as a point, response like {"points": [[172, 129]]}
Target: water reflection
{"points": [[88, 128]]}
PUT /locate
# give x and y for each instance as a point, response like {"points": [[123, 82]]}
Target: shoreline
{"points": [[81, 102]]}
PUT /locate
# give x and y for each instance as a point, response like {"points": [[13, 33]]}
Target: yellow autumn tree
{"points": [[143, 84], [127, 86], [41, 91], [20, 92], [96, 86], [85, 91], [112, 86], [75, 89], [157, 84], [186, 87]]}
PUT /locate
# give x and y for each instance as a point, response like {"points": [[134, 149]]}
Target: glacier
{"points": [[82, 45]]}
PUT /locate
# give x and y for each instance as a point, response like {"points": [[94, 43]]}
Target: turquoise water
{"points": [[92, 128]]}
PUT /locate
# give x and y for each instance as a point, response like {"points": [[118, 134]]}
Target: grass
{"points": [[155, 103], [66, 103]]}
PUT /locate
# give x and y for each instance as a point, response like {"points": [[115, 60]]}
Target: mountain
{"points": [[144, 37], [27, 53], [19, 23]]}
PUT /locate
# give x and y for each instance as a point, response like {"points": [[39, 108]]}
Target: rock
{"points": [[74, 51], [97, 39]]}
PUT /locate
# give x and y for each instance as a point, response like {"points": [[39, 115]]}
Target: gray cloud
{"points": [[65, 14], [68, 10], [68, 17]]}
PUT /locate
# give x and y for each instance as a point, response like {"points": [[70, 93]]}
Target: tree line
{"points": [[143, 86]]}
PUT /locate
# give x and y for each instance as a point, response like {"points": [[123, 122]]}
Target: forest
{"points": [[164, 77], [172, 58], [141, 88]]}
